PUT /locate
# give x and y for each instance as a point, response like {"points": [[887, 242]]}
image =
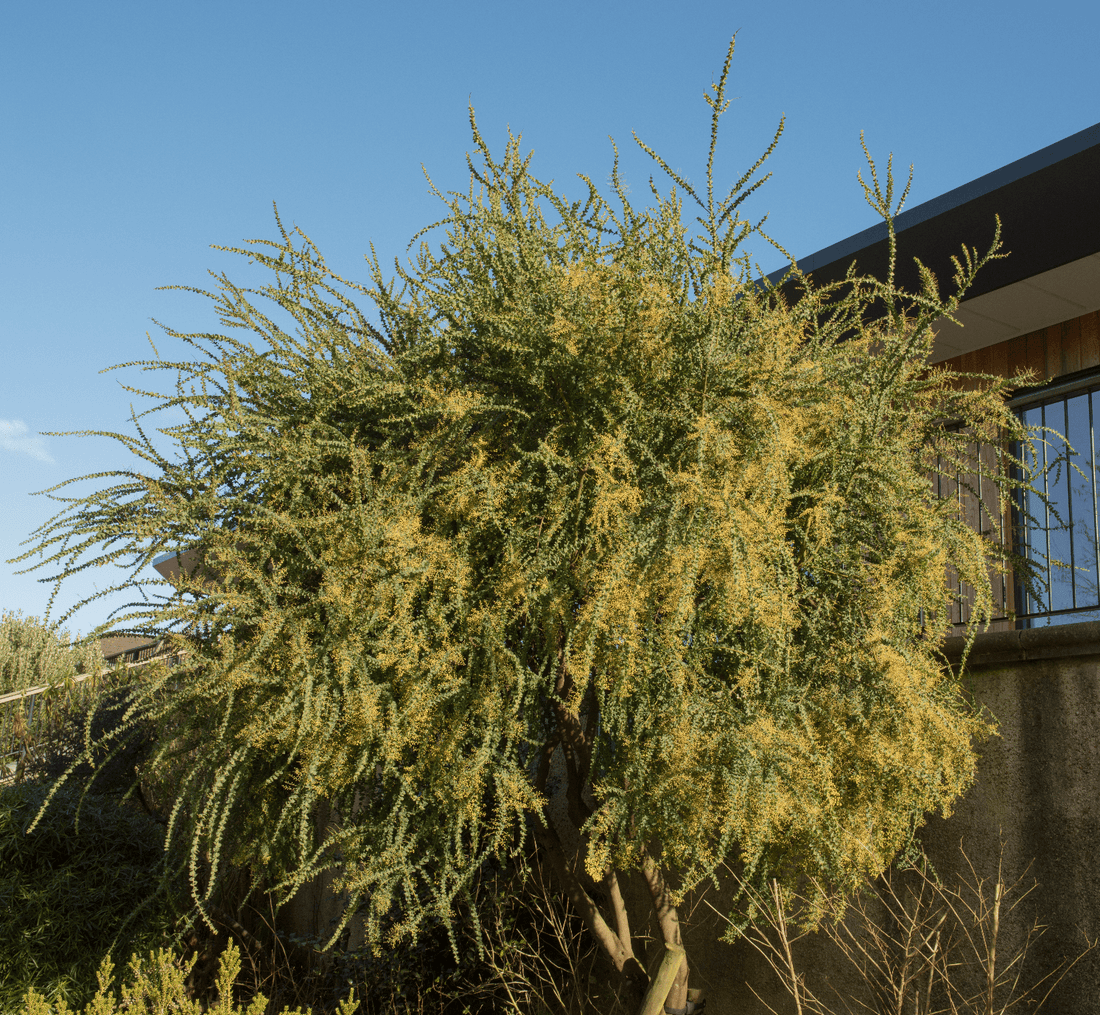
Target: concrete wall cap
{"points": [[994, 648]]}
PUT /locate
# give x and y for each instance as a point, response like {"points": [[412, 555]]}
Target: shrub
{"points": [[33, 654], [72, 891], [157, 984]]}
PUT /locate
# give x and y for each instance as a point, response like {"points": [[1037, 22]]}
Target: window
{"points": [[1060, 535], [1056, 526], [976, 494]]}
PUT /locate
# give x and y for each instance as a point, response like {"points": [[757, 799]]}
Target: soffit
{"points": [[1050, 297]]}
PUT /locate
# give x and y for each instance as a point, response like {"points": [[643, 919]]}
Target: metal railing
{"points": [[29, 718]]}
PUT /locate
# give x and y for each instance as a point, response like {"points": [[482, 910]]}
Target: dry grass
{"points": [[916, 946]]}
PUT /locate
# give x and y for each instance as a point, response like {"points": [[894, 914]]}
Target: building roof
{"points": [[114, 645], [1049, 206]]}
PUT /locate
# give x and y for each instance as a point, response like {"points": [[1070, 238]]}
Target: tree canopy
{"points": [[575, 479]]}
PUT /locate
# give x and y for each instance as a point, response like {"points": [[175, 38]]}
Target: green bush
{"points": [[113, 763], [72, 893], [33, 654], [158, 985]]}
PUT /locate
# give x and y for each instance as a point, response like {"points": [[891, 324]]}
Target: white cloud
{"points": [[14, 436]]}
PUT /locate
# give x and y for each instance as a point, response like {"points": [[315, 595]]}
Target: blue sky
{"points": [[136, 135]]}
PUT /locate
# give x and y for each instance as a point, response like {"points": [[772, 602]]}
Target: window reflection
{"points": [[1060, 535]]}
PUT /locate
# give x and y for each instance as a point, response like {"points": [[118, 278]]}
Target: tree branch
{"points": [[619, 952], [668, 921], [575, 741], [618, 907]]}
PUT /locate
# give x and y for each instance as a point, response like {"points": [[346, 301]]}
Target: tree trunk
{"points": [[668, 921]]}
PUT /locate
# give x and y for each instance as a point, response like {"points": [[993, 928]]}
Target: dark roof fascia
{"points": [[1048, 202]]}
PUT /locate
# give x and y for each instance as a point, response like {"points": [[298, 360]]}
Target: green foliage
{"points": [[33, 654], [586, 484], [156, 986], [79, 744], [71, 894]]}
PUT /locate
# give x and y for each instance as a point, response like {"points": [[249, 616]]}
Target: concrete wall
{"points": [[1038, 788]]}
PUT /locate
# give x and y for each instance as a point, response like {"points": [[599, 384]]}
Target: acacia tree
{"points": [[571, 482]]}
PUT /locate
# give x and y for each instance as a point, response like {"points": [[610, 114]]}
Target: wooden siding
{"points": [[1050, 352]]}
